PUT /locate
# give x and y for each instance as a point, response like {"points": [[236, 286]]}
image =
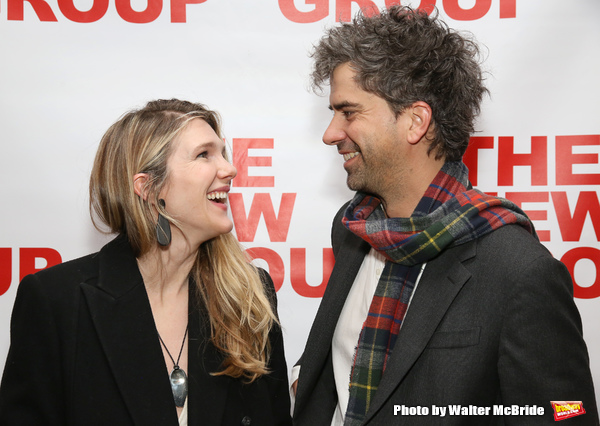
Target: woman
{"points": [[169, 321]]}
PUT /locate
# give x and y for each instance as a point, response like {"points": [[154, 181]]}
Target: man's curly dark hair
{"points": [[403, 55]]}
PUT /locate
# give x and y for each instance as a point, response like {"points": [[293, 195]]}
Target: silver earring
{"points": [[163, 227]]}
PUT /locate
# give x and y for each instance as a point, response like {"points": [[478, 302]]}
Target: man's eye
{"points": [[347, 114]]}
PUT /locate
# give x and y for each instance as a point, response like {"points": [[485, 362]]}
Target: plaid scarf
{"points": [[449, 214]]}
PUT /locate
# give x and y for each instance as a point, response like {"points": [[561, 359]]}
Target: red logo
{"points": [[567, 409]]}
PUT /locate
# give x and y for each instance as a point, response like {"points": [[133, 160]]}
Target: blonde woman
{"points": [[169, 323]]}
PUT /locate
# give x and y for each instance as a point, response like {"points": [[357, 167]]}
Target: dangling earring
{"points": [[163, 227]]}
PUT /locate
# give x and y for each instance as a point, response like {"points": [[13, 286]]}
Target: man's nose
{"points": [[334, 133]]}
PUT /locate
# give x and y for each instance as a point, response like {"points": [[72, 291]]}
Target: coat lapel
{"points": [[347, 263], [209, 393], [123, 320], [442, 279]]}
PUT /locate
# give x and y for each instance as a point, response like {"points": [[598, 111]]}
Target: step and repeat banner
{"points": [[70, 68]]}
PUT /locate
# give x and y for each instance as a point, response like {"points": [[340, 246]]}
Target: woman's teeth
{"points": [[217, 196]]}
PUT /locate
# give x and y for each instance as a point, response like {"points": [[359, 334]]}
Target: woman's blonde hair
{"points": [[239, 310]]}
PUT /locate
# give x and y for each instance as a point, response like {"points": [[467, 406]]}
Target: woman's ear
{"points": [[139, 185], [420, 115]]}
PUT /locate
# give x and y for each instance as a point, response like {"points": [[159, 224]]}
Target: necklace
{"points": [[178, 378]]}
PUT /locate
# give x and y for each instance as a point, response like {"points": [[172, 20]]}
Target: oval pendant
{"points": [[179, 386]]}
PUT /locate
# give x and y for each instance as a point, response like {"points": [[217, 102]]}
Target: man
{"points": [[442, 299]]}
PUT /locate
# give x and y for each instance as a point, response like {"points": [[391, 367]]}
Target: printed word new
{"points": [[570, 216], [14, 10], [316, 10]]}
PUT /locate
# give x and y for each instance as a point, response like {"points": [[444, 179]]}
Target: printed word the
{"points": [[566, 158]]}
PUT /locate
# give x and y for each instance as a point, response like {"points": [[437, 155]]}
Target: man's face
{"points": [[368, 135]]}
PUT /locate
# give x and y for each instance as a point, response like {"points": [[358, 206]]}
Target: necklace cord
{"points": [[175, 364]]}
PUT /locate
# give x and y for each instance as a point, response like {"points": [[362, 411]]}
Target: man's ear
{"points": [[420, 115], [139, 184]]}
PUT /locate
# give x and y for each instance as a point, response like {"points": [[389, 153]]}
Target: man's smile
{"points": [[350, 155]]}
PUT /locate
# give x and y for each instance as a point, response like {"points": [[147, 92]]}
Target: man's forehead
{"points": [[343, 73]]}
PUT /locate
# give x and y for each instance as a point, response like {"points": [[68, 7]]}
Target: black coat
{"points": [[84, 351], [492, 322]]}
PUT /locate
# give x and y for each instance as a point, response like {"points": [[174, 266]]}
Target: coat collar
{"points": [[118, 271]]}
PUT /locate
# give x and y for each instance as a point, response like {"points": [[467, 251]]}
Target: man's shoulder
{"points": [[512, 239], [512, 252]]}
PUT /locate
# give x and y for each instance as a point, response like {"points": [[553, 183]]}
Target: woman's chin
{"points": [[222, 228]]}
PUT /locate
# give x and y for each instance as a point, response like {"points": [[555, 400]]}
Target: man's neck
{"points": [[413, 189]]}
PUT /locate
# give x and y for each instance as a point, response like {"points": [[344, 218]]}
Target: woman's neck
{"points": [[166, 270]]}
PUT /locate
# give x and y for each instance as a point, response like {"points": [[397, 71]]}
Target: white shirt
{"points": [[348, 328], [183, 417]]}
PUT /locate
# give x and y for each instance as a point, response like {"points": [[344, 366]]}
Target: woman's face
{"points": [[198, 183]]}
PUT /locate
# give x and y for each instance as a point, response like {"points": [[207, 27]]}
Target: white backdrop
{"points": [[63, 81]]}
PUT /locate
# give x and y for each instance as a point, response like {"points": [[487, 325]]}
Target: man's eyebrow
{"points": [[343, 105]]}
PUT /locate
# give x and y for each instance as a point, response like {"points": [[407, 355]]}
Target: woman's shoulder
{"points": [[82, 266], [60, 279], [265, 278], [268, 286], [59, 287]]}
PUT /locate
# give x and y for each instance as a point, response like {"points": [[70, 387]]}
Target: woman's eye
{"points": [[203, 154]]}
